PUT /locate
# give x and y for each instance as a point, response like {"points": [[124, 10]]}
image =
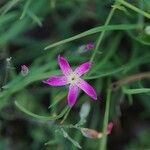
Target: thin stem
{"points": [[25, 9], [105, 123], [141, 17], [129, 79], [134, 8], [66, 115], [44, 118], [102, 33]]}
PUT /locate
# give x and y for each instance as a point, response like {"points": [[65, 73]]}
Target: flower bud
{"points": [[89, 46], [85, 48], [85, 109], [109, 128], [24, 70], [90, 133], [93, 134]]}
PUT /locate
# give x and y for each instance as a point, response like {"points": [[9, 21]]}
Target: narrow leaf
{"points": [[95, 30], [9, 5], [136, 91], [46, 118], [25, 9]]}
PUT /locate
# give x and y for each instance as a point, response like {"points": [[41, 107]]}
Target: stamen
{"points": [[73, 78]]}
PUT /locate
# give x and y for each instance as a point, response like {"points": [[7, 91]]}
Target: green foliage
{"points": [[35, 32], [142, 141]]}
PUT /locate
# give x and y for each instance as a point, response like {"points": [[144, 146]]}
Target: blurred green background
{"points": [[121, 53]]}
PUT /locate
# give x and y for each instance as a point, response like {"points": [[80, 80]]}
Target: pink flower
{"points": [[73, 78]]}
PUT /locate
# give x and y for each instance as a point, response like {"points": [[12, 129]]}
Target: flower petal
{"points": [[83, 68], [88, 89], [56, 81], [72, 95], [64, 65]]}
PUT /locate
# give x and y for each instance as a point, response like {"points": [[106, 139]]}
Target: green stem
{"points": [[27, 4], [66, 115], [103, 33], [105, 123], [141, 17], [134, 8]]}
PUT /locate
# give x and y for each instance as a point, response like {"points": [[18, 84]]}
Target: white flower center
{"points": [[73, 78]]}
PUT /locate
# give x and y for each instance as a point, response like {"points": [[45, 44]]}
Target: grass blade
{"points": [[147, 15], [9, 6], [25, 9], [34, 17], [103, 33], [136, 91], [93, 31]]}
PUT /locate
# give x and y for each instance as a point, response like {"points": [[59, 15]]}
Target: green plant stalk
{"points": [[9, 5], [27, 4], [94, 31], [141, 17], [103, 140], [34, 17], [112, 49], [147, 15], [103, 33], [66, 115], [135, 91]]}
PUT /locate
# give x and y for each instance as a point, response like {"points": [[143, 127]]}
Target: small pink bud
{"points": [[85, 48], [89, 46], [24, 70], [109, 128]]}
